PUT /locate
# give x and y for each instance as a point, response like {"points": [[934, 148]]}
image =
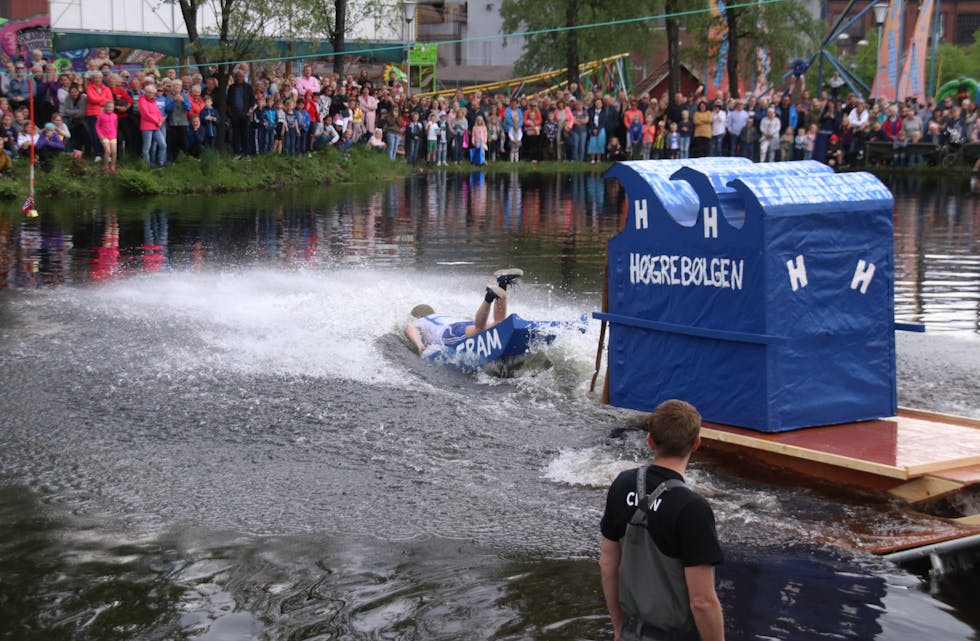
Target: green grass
{"points": [[213, 173]]}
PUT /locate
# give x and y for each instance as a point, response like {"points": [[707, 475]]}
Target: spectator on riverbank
{"points": [[555, 124]]}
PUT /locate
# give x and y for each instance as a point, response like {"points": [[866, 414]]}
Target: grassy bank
{"points": [[214, 173]]}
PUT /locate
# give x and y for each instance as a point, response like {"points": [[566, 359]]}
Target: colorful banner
{"points": [[762, 69], [119, 57], [889, 53], [716, 80], [913, 79], [20, 37]]}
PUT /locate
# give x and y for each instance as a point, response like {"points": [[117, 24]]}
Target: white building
{"points": [[484, 56]]}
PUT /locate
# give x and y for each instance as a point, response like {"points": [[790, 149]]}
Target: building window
{"points": [[966, 24]]}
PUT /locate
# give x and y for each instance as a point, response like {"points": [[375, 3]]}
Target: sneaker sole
{"points": [[510, 271], [500, 292]]}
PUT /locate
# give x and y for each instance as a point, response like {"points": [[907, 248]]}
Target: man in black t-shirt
{"points": [[659, 546]]}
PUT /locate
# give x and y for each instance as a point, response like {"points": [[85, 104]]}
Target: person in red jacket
{"points": [[150, 121], [123, 104], [96, 94]]}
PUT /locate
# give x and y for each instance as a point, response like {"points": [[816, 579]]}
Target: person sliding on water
{"points": [[430, 328]]}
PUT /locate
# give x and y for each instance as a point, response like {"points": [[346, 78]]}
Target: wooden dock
{"points": [[918, 457]]}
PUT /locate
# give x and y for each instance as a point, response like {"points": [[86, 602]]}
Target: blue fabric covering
{"points": [[748, 290]]}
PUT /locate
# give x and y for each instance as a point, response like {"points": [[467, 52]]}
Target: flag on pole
{"points": [[717, 78], [889, 54], [913, 79], [28, 204]]}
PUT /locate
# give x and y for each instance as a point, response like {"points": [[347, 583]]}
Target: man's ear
{"points": [[650, 442], [697, 443]]}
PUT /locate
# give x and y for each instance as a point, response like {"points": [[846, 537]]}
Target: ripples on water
{"points": [[224, 436]]}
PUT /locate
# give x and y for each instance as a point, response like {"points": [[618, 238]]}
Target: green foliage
{"points": [[953, 62], [786, 29], [214, 173], [133, 182], [547, 51], [9, 190], [865, 59]]}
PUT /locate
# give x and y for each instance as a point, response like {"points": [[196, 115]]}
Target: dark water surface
{"points": [[210, 427]]}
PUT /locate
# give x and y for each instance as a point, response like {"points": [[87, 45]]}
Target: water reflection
{"points": [[554, 225], [68, 578]]}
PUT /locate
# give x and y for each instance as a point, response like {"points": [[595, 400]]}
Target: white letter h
{"points": [[797, 272], [640, 212]]}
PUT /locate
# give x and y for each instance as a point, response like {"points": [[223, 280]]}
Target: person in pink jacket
{"points": [[150, 121], [107, 129], [96, 95]]}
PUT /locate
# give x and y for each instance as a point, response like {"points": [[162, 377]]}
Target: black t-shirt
{"points": [[683, 527]]}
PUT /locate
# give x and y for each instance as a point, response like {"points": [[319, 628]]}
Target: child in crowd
{"points": [[280, 132], [302, 130], [413, 138], [786, 145], [550, 131], [61, 128], [494, 136], [443, 139], [685, 132], [376, 141], [514, 137], [636, 138], [811, 140], [799, 144], [898, 149], [674, 142], [258, 129], [659, 149], [9, 133], [347, 143], [614, 150], [749, 139], [209, 122], [107, 130], [431, 140], [291, 130], [49, 145], [269, 126], [356, 120], [649, 136]]}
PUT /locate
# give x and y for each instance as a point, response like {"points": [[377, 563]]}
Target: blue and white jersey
{"points": [[441, 329]]}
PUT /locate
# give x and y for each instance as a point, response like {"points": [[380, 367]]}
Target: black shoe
{"points": [[494, 292], [508, 276]]}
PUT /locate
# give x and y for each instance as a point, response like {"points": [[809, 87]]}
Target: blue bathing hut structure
{"points": [[762, 293]]}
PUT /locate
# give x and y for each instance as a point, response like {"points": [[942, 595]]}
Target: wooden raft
{"points": [[917, 457]]}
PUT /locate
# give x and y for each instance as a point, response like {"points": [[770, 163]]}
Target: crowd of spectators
{"points": [[158, 115]]}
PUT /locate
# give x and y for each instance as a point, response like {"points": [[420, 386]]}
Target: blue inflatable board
{"points": [[771, 308], [509, 339]]}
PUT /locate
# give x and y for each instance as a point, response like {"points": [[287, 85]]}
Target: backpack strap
{"points": [[649, 499]]}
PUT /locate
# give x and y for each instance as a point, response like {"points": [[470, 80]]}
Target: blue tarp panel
{"points": [[782, 321]]}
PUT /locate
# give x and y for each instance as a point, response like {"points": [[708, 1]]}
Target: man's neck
{"points": [[674, 463]]}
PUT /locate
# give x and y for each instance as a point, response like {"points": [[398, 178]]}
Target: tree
{"points": [[332, 20], [567, 48], [673, 50], [239, 28], [785, 29], [952, 63]]}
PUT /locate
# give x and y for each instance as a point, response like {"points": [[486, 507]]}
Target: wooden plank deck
{"points": [[897, 449], [916, 456]]}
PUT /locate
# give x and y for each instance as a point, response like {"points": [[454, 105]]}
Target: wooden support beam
{"points": [[925, 488]]}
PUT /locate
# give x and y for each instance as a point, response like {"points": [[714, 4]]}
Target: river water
{"points": [[211, 428]]}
